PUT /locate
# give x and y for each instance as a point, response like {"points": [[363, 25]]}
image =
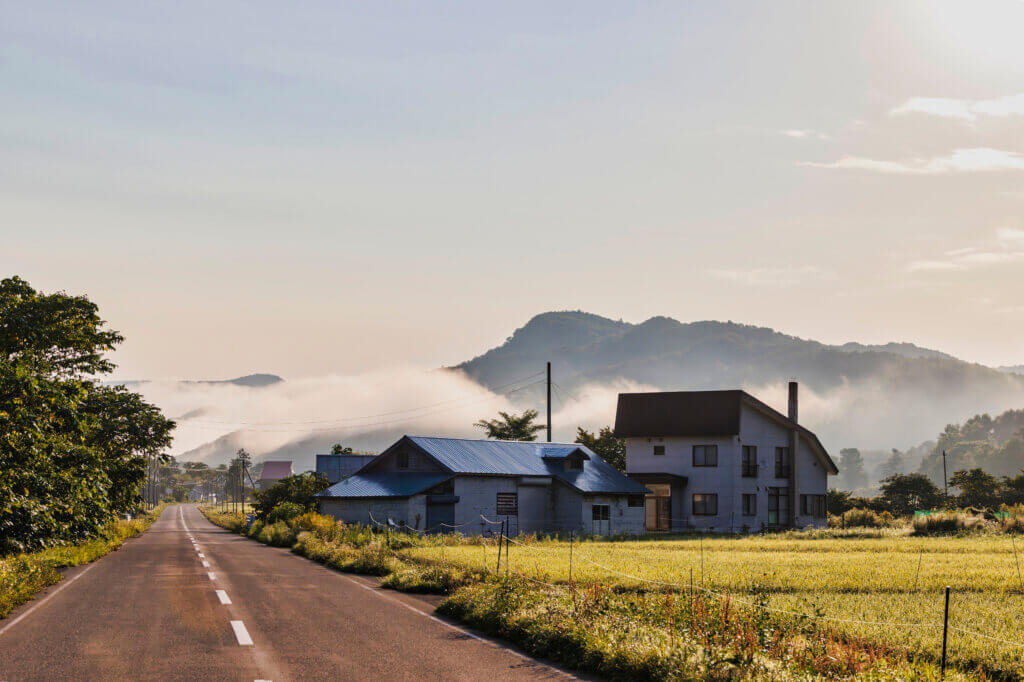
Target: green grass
{"points": [[844, 578], [22, 576]]}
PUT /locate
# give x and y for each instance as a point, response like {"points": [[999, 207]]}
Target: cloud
{"points": [[1008, 247], [773, 276], [963, 109], [805, 133], [959, 161]]}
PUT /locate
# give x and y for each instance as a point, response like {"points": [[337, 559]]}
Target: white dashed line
{"points": [[241, 634], [223, 596], [212, 575], [206, 564], [202, 556]]}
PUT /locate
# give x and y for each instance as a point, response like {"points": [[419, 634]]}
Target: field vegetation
{"points": [[836, 603]]}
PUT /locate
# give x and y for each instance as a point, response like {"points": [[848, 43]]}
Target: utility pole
{"points": [[549, 402], [945, 478]]}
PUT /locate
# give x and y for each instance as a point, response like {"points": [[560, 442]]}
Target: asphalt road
{"points": [[189, 600]]}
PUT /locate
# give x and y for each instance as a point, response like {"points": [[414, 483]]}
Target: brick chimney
{"points": [[793, 401]]}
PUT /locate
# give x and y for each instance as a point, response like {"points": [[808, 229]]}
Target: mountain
{"points": [[854, 395], [1012, 369], [249, 380]]}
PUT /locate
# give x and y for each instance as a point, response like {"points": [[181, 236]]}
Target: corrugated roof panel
{"points": [[384, 484], [275, 470]]}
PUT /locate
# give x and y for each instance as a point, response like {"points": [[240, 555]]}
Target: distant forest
{"points": [[995, 445]]}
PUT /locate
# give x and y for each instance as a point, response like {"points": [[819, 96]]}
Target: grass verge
{"points": [[22, 576]]}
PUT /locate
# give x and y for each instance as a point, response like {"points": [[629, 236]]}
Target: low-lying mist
{"points": [[295, 419]]}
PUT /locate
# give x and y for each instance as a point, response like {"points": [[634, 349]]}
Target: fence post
{"points": [[1020, 582], [501, 532], [702, 559], [945, 631], [570, 556]]}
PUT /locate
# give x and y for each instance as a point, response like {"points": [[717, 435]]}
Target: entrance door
{"points": [[601, 518], [659, 507], [438, 514]]}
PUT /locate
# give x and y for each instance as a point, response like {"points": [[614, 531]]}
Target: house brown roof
{"points": [[276, 470], [698, 413]]}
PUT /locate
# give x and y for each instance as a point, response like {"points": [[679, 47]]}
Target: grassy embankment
{"points": [[619, 626], [23, 575]]}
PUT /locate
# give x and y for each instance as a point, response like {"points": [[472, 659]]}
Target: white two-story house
{"points": [[723, 460]]}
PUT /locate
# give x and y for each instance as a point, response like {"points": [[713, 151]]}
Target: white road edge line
{"points": [[241, 634], [212, 575], [223, 596], [61, 586]]}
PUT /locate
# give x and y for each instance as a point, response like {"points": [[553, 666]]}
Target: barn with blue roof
{"points": [[444, 484]]}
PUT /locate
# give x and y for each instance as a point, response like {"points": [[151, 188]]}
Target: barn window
{"points": [[508, 504], [635, 501], [659, 449], [402, 460], [600, 512]]}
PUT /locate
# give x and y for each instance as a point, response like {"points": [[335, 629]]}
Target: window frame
{"points": [[783, 462], [749, 510], [703, 504], [705, 450], [748, 462], [659, 451], [402, 459], [606, 515]]}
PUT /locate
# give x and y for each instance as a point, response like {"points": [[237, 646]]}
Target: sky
{"points": [[342, 187]]}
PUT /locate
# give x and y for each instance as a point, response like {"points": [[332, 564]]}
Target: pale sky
{"points": [[307, 188]]}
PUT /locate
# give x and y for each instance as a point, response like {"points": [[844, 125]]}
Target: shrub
{"points": [[278, 534], [285, 511], [864, 518], [947, 522]]}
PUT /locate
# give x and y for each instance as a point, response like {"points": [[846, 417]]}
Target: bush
{"points": [[947, 522], [299, 489], [864, 518], [278, 534], [285, 511]]}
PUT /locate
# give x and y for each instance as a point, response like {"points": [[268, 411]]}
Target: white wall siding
{"points": [[399, 510], [726, 480]]}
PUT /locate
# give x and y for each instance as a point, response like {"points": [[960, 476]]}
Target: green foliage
{"points": [[298, 489], [862, 518], [512, 426], [285, 511], [339, 449], [904, 494], [73, 453], [278, 534], [605, 445], [977, 488]]}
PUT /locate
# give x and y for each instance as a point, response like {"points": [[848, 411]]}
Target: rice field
{"points": [[888, 588]]}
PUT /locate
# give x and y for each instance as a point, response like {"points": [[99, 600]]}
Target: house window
{"points": [[507, 504], [812, 505], [778, 506], [600, 512], [635, 501], [402, 460], [750, 461], [749, 504], [659, 449], [705, 504], [705, 455], [782, 462], [574, 464]]}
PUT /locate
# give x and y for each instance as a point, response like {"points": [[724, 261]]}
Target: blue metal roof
{"points": [[384, 484], [518, 458]]}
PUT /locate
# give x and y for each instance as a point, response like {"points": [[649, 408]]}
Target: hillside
{"points": [[874, 396]]}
